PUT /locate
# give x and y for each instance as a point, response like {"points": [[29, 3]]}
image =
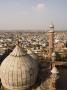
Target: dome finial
{"points": [[51, 25], [17, 40]]}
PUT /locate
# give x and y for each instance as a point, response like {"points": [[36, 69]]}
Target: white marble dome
{"points": [[51, 25], [18, 71], [51, 28], [54, 70], [53, 54]]}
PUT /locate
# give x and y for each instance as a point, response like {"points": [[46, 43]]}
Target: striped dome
{"points": [[18, 70]]}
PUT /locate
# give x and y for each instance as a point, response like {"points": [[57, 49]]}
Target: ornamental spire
{"points": [[17, 40]]}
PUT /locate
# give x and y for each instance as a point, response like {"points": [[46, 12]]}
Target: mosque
{"points": [[20, 71]]}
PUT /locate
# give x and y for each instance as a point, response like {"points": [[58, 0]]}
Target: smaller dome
{"points": [[54, 70], [51, 25], [51, 28], [53, 54]]}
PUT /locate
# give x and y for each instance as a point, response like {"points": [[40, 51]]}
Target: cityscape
{"points": [[48, 49], [33, 45]]}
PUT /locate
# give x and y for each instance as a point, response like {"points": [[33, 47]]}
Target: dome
{"points": [[51, 25], [18, 70], [53, 54], [54, 70], [51, 28]]}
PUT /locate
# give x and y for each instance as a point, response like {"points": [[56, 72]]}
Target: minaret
{"points": [[51, 40], [53, 78]]}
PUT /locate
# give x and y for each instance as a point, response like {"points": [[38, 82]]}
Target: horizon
{"points": [[31, 30], [33, 14]]}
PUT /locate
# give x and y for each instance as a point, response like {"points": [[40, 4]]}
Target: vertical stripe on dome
{"points": [[15, 73], [6, 77], [19, 72]]}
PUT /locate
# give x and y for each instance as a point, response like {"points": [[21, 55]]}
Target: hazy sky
{"points": [[33, 14]]}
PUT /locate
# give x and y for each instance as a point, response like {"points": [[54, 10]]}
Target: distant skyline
{"points": [[33, 14]]}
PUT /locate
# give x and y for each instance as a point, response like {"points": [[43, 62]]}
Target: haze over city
{"points": [[33, 14]]}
